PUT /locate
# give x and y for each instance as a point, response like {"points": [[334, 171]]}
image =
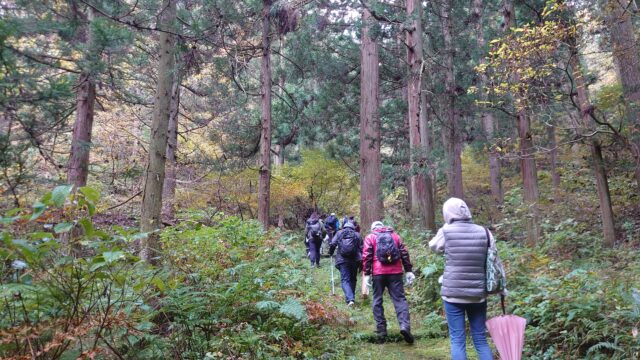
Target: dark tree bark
{"points": [[626, 57], [425, 140], [487, 115], [452, 132], [597, 161], [155, 172], [265, 133], [420, 191], [371, 207], [78, 164]]}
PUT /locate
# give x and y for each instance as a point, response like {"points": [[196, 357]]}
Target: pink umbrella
{"points": [[507, 332]]}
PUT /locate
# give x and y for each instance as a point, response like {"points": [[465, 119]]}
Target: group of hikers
{"points": [[384, 258]]}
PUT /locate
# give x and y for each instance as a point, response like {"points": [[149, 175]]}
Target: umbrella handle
{"points": [[502, 304]]}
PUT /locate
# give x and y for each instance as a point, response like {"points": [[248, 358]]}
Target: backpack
{"points": [[386, 249], [349, 244], [496, 280], [315, 231]]}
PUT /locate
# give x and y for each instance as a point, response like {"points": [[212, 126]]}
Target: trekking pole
{"points": [[333, 284]]}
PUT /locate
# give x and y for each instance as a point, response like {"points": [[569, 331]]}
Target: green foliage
{"points": [[224, 291], [580, 309]]}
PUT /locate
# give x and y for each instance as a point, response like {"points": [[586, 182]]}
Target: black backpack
{"points": [[386, 250], [315, 231], [349, 244]]}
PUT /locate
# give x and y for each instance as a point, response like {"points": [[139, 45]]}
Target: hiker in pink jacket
{"points": [[386, 258]]}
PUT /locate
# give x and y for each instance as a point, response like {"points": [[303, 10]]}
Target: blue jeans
{"points": [[348, 279], [477, 314]]}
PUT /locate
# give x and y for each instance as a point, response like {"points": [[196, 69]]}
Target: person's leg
{"points": [[317, 243], [353, 272], [313, 252], [376, 304], [457, 334], [477, 314], [396, 292], [345, 281]]}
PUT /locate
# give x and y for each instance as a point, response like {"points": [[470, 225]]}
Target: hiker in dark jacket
{"points": [[332, 224], [348, 258], [356, 226], [385, 256], [313, 238]]}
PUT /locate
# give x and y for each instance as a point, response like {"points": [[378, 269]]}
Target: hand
{"points": [[504, 292], [410, 277]]}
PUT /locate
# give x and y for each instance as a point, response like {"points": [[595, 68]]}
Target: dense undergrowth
{"points": [[224, 291], [228, 290]]}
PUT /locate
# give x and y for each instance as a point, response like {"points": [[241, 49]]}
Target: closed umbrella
{"points": [[507, 332]]}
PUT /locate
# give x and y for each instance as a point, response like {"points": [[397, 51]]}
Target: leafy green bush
{"points": [[585, 311], [223, 291], [73, 290]]}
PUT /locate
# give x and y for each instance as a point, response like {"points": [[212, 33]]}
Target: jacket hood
{"points": [[455, 209], [382, 229], [348, 224]]}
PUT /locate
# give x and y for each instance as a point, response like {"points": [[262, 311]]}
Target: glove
{"points": [[504, 292], [410, 277], [367, 280]]}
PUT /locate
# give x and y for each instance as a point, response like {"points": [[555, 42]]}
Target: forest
{"points": [[159, 159]]}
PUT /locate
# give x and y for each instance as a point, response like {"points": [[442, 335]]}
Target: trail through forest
{"points": [[159, 160]]}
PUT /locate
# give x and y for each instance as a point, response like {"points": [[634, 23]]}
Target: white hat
{"points": [[376, 224]]}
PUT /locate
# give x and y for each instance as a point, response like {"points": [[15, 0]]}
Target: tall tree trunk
{"points": [[265, 134], [553, 158], [626, 57], [425, 140], [154, 174], [408, 183], [526, 149], [486, 115], [371, 208], [597, 161], [78, 165], [454, 140], [528, 169], [279, 148], [420, 190], [169, 186]]}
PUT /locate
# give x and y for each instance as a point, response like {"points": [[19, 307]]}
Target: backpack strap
{"points": [[486, 231]]}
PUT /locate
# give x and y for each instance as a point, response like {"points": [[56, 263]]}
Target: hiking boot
{"points": [[350, 304], [406, 334], [381, 339]]}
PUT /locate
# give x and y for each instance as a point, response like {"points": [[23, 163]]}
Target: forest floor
{"points": [[395, 348]]}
